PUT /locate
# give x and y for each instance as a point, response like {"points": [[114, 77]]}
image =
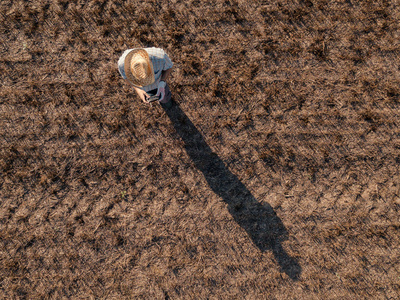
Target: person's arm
{"points": [[165, 74], [142, 94]]}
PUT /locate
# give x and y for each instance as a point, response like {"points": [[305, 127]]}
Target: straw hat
{"points": [[138, 68]]}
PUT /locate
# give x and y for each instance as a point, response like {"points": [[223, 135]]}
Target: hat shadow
{"points": [[260, 221]]}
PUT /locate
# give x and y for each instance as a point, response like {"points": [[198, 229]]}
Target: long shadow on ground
{"points": [[259, 220]]}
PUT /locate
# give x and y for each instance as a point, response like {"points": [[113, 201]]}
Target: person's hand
{"points": [[161, 90], [142, 94]]}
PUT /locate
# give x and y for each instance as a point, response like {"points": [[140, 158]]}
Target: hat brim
{"points": [[128, 72]]}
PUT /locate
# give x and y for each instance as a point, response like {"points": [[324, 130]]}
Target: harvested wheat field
{"points": [[275, 175]]}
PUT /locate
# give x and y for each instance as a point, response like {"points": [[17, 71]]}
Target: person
{"points": [[147, 70]]}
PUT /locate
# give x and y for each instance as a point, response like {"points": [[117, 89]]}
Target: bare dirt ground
{"points": [[275, 175]]}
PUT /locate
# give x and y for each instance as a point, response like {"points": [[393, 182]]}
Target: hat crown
{"points": [[139, 68]]}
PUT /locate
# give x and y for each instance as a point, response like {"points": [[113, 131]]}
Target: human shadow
{"points": [[260, 221]]}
